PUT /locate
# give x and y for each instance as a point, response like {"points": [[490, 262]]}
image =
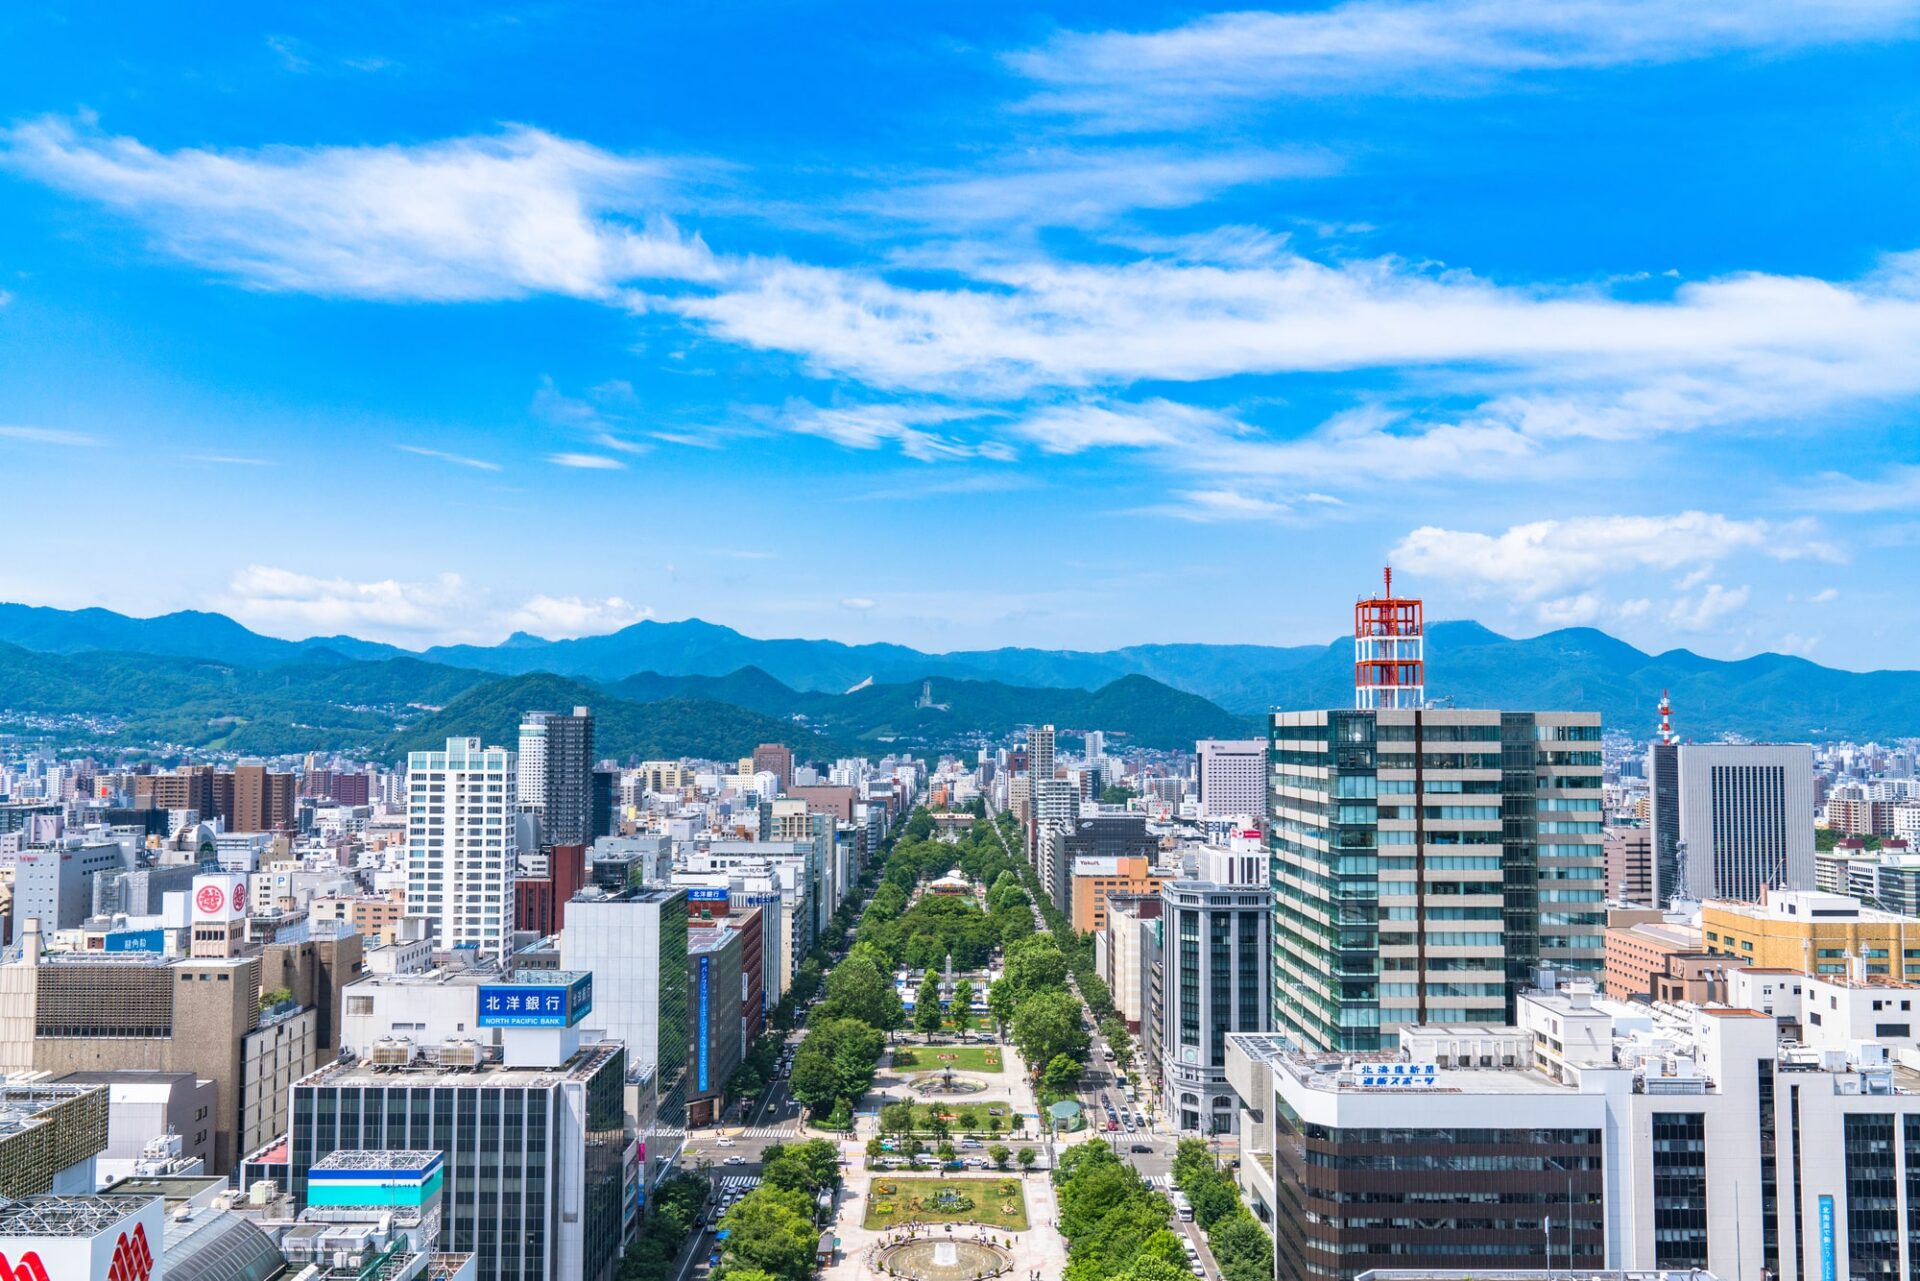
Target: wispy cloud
{"points": [[1129, 80], [900, 424], [229, 460], [470, 218], [587, 462], [478, 464], [50, 436], [1895, 489], [1087, 188]]}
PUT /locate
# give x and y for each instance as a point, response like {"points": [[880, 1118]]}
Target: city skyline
{"points": [[1607, 318]]}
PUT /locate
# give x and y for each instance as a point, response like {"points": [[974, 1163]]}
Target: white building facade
{"points": [[461, 846]]}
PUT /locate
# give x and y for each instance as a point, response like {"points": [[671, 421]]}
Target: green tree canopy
{"points": [[926, 1006], [1048, 1024]]}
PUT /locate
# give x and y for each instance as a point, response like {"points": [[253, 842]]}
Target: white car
{"points": [[735, 1159], [723, 1143]]}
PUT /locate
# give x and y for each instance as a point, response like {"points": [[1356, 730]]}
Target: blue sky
{"points": [[969, 325]]}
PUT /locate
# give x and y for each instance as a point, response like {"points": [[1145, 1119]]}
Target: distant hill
{"points": [[1768, 696], [664, 729], [1132, 710]]}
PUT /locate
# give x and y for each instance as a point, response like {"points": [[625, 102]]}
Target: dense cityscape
{"points": [[1070, 641], [1400, 988]]}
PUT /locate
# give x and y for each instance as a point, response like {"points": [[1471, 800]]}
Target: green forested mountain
{"points": [[202, 679]]}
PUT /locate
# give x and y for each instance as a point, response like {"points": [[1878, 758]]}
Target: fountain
{"points": [[921, 1259]]}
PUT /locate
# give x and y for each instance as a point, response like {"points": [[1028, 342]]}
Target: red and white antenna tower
{"points": [[1389, 651], [1666, 718]]}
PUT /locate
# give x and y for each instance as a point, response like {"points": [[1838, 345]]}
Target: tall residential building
{"points": [[1425, 862], [461, 846], [635, 944], [1040, 751], [1731, 818], [1214, 959], [775, 759], [262, 801], [555, 774], [1232, 774]]}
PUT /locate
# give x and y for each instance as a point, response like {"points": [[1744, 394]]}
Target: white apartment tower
{"points": [[1232, 774], [461, 846]]}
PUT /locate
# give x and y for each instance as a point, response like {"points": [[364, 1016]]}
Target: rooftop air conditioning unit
{"points": [[392, 1051]]}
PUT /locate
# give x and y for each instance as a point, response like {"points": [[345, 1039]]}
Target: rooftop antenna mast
{"points": [[1389, 651]]}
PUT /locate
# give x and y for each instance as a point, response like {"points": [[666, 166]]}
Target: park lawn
{"points": [[992, 1204], [961, 1058]]}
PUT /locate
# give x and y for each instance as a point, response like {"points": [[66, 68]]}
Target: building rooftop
{"points": [[65, 1216], [360, 1159], [1805, 906], [21, 1106], [494, 1076]]}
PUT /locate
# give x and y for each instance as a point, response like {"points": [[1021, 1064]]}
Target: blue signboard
{"points": [[1827, 1265], [137, 941], [705, 1004], [706, 896], [562, 1002]]}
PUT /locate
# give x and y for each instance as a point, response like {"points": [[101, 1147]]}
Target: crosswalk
{"points": [[738, 1183], [771, 1132]]}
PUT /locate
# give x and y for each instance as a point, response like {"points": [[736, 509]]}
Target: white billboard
{"points": [[219, 896], [125, 1248]]}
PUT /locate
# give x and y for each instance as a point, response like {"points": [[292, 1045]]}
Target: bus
{"points": [[1182, 1207]]}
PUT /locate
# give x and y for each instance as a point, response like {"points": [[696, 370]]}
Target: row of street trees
{"points": [[1240, 1245]]}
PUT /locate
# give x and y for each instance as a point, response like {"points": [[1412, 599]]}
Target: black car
{"points": [[1140, 1147]]}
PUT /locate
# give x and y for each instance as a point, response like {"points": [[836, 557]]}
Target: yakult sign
{"points": [[111, 1239], [219, 896]]}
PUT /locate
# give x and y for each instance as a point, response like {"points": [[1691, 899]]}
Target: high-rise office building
{"points": [[532, 1150], [1731, 818], [635, 944], [262, 801], [1424, 863], [555, 774], [461, 846], [1214, 963], [1232, 774]]}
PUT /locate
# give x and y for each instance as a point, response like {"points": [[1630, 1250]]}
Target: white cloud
{"points": [[857, 603], [902, 425], [558, 617], [468, 218], [49, 436], [1546, 559], [587, 462], [1826, 595], [273, 596], [459, 460], [1128, 80], [1569, 611], [1087, 189], [1712, 605], [1895, 489], [1211, 506], [1638, 607]]}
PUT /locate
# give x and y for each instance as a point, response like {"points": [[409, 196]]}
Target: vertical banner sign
{"points": [[1827, 1266], [705, 1016]]}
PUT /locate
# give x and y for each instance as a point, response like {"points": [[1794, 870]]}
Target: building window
{"points": [[1679, 1190], [1873, 1224]]}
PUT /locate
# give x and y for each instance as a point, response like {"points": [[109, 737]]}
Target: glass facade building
{"points": [[1425, 862]]}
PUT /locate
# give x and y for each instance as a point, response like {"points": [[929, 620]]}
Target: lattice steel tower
{"points": [[1389, 651]]}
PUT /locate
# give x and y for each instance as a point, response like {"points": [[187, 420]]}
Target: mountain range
{"points": [[192, 672]]}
